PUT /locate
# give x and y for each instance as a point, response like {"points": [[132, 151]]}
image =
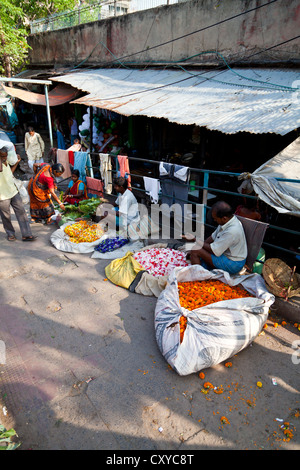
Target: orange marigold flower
{"points": [[288, 433], [275, 325], [283, 323], [224, 420], [228, 364], [265, 326], [218, 390], [202, 375], [197, 294], [208, 385]]}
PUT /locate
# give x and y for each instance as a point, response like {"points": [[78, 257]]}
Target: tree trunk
{"points": [[6, 60]]}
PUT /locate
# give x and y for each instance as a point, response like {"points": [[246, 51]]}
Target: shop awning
{"points": [[240, 100], [61, 94]]}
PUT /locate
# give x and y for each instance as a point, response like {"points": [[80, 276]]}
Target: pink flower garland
{"points": [[160, 261]]}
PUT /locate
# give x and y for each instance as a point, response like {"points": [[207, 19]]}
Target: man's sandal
{"points": [[28, 239]]}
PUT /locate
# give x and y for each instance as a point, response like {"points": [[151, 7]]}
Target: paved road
{"points": [[83, 370]]}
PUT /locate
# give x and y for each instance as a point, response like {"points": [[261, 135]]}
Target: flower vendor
{"points": [[124, 210], [76, 190], [41, 190], [226, 248]]}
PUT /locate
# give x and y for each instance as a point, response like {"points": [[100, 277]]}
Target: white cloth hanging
{"points": [[106, 172]]}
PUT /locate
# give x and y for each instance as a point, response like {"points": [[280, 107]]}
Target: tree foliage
{"points": [[15, 17]]}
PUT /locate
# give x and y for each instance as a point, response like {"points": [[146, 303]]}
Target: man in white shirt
{"points": [[10, 197], [226, 248], [126, 204], [124, 211]]}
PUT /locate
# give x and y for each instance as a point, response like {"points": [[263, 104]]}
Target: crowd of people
{"points": [[225, 249]]}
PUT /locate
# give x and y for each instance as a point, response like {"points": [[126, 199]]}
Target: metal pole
{"points": [[91, 129], [49, 116], [25, 80], [204, 196]]}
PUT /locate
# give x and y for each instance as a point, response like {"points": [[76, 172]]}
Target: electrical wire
{"points": [[120, 59], [281, 87], [196, 31]]}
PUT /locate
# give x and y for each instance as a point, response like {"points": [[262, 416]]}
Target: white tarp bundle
{"points": [[283, 196], [11, 152], [213, 333]]}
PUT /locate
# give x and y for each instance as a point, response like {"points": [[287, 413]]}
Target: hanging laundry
{"points": [[152, 188], [174, 181], [94, 186], [82, 161], [71, 157], [106, 172], [63, 158], [124, 168]]}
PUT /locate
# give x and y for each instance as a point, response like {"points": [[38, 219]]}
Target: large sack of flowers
{"points": [[204, 317]]}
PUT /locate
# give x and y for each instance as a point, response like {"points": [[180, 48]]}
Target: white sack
{"points": [[214, 333], [22, 188], [11, 151]]}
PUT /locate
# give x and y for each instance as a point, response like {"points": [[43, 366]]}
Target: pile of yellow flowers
{"points": [[83, 232]]}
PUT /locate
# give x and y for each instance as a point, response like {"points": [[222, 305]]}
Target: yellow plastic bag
{"points": [[123, 271]]}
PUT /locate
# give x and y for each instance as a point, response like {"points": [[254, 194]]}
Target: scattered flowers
{"points": [[228, 364], [208, 385], [201, 375], [182, 326], [224, 420], [218, 390], [259, 384]]}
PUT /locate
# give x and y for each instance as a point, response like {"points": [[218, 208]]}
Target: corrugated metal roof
{"points": [[232, 100]]}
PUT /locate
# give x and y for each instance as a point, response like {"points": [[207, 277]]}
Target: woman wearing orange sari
{"points": [[41, 190], [76, 191]]}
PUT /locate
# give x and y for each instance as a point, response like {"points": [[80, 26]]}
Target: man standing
{"points": [[226, 248], [9, 196], [34, 147]]}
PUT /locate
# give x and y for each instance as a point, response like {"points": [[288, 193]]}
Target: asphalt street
{"points": [[83, 370]]}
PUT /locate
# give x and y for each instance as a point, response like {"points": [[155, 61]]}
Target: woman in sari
{"points": [[41, 190], [76, 191]]}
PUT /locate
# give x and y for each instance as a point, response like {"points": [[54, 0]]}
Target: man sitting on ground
{"points": [[226, 248]]}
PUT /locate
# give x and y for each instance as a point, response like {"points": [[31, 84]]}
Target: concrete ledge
{"points": [[288, 309]]}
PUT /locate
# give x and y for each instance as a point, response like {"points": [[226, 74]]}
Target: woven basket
{"points": [[277, 276]]}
